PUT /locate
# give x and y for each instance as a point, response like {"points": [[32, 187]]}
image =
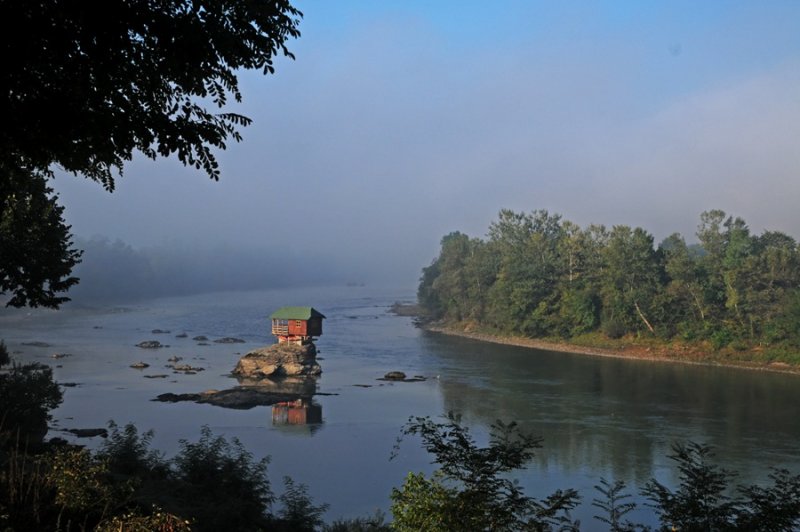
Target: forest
{"points": [[539, 275]]}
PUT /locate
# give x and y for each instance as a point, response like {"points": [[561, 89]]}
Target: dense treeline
{"points": [[540, 275]]}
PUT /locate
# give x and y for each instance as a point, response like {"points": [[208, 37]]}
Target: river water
{"points": [[598, 417]]}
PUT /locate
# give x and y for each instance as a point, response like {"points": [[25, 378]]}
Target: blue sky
{"points": [[401, 121]]}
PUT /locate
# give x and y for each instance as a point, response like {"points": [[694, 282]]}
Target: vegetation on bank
{"points": [[733, 296]]}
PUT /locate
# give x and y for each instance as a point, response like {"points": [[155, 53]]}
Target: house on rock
{"points": [[296, 325]]}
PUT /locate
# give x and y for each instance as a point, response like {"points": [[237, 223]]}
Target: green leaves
{"points": [[541, 276], [470, 490]]}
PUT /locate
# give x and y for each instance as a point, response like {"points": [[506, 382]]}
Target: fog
{"points": [[399, 122]]}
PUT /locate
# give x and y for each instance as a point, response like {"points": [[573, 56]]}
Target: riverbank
{"points": [[676, 353]]}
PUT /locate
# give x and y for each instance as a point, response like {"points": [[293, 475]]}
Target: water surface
{"points": [[598, 416]]}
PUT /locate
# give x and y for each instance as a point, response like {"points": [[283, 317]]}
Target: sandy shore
{"points": [[682, 355]]}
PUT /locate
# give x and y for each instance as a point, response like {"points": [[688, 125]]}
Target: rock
{"points": [[159, 376], [399, 376], [279, 360], [60, 355], [140, 365], [150, 344], [405, 309], [236, 398], [186, 368], [177, 397], [69, 384], [36, 344], [200, 339], [181, 335], [174, 359], [229, 340], [88, 433], [159, 331]]}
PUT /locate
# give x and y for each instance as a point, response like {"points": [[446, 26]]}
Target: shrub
{"points": [[27, 394], [471, 490], [220, 484], [614, 329]]}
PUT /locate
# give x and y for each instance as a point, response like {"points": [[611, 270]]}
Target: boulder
{"points": [[236, 398], [151, 344], [279, 360], [229, 340]]}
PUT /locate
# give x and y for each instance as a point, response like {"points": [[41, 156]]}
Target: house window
{"points": [[298, 323]]}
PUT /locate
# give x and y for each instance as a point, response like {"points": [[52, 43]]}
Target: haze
{"points": [[399, 122]]}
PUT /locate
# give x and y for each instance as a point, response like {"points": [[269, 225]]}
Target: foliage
{"points": [[83, 493], [128, 454], [614, 506], [542, 276], [133, 521], [36, 255], [299, 512], [471, 489], [702, 499], [212, 484], [373, 523], [220, 484], [88, 87], [27, 394], [700, 502]]}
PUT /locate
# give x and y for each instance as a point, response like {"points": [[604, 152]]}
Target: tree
{"points": [[90, 85], [36, 257], [683, 302], [632, 277], [522, 297], [471, 491]]}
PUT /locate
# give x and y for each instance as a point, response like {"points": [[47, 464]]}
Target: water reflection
{"points": [[619, 417], [299, 386], [300, 412]]}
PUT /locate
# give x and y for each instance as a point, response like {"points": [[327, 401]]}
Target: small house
{"points": [[296, 325]]}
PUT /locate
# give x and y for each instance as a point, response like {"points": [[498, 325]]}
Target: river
{"points": [[598, 417]]}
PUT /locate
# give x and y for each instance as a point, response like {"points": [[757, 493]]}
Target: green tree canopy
{"points": [[91, 84]]}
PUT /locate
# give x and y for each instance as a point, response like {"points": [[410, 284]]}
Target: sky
{"points": [[399, 122]]}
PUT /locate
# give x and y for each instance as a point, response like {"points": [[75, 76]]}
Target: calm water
{"points": [[598, 417]]}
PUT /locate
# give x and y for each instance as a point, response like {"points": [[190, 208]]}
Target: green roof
{"points": [[296, 313]]}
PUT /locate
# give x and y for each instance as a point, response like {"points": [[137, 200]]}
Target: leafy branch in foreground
{"points": [[615, 507], [471, 489], [701, 500]]}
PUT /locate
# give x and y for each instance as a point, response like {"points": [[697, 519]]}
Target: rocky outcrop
{"points": [[229, 340], [236, 398], [279, 360], [151, 344]]}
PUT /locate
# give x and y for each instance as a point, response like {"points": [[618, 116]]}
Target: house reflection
{"points": [[299, 412]]}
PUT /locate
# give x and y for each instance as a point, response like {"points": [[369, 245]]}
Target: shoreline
{"points": [[630, 352]]}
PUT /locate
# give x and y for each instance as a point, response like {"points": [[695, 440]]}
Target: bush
{"points": [[614, 329], [471, 490], [720, 338], [27, 394], [220, 485]]}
